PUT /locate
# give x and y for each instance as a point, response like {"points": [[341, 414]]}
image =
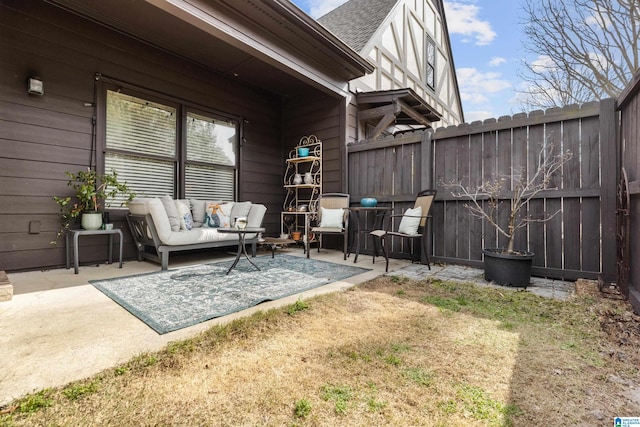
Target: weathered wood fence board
{"points": [[569, 245], [628, 105]]}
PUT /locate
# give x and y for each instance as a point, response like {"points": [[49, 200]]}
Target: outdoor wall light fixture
{"points": [[35, 86]]}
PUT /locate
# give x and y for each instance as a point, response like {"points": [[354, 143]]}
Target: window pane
{"points": [[430, 77], [210, 182], [141, 126], [431, 52], [210, 140], [145, 177]]}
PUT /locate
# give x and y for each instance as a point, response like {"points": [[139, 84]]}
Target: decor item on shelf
{"points": [[93, 192], [509, 266], [296, 235], [308, 178], [303, 151], [297, 179], [368, 202], [303, 208]]}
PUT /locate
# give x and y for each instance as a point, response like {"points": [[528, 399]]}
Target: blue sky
{"points": [[486, 40]]}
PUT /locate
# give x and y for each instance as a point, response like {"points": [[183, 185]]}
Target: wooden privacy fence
{"points": [[578, 242]]}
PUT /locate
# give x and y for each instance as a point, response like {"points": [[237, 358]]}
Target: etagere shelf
{"points": [[303, 185]]}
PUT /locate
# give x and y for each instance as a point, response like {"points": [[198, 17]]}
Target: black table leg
{"points": [[241, 250]]}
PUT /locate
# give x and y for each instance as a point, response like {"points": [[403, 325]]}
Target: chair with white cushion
{"points": [[413, 226], [333, 218]]}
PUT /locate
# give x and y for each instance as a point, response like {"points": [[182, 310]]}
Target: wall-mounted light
{"points": [[35, 86]]}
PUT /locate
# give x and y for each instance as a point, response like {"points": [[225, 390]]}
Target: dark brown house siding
{"points": [[321, 117], [42, 137]]}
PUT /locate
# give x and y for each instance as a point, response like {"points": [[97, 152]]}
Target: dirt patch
{"points": [[621, 326]]}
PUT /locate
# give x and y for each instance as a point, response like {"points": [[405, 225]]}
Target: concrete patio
{"points": [[58, 328]]}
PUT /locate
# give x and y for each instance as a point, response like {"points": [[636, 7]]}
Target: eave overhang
{"points": [[270, 44]]}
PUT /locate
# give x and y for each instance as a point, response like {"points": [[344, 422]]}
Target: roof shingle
{"points": [[356, 21]]}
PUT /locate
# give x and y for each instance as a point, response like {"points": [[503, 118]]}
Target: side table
{"points": [[76, 235], [241, 232], [379, 211]]}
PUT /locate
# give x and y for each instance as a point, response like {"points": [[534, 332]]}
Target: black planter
{"points": [[507, 269]]}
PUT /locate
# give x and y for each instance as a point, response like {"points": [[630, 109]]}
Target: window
{"points": [[145, 145], [431, 63], [141, 143], [211, 158]]}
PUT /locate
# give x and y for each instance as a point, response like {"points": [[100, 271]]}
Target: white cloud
{"points": [[496, 60], [480, 90], [318, 8], [463, 19], [472, 116], [475, 86], [542, 63], [598, 21]]}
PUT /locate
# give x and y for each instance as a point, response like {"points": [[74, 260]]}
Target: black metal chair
{"points": [[333, 218], [413, 226]]}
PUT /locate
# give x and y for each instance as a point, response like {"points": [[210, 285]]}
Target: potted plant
{"points": [[93, 191], [510, 266]]}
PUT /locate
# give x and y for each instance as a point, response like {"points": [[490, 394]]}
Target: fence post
{"points": [[610, 149], [426, 182]]}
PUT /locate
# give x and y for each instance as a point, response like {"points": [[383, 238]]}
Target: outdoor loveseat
{"points": [[162, 225]]}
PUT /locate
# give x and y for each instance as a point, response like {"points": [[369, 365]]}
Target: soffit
{"points": [[235, 38]]}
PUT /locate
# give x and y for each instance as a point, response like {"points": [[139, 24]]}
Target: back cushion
{"points": [[172, 212], [198, 208], [139, 205], [240, 209]]}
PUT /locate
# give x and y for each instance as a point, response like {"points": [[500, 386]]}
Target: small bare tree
{"points": [[524, 189]]}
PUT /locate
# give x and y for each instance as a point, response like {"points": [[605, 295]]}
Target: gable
{"points": [[398, 48]]}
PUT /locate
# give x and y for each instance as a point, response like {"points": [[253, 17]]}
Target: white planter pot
{"points": [[92, 220]]}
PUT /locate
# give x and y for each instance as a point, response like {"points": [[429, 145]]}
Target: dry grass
{"points": [[389, 352]]}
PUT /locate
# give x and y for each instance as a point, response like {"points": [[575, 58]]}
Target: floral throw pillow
{"points": [[186, 220]]}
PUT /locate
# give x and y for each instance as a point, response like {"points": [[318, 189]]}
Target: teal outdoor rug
{"points": [[174, 299]]}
